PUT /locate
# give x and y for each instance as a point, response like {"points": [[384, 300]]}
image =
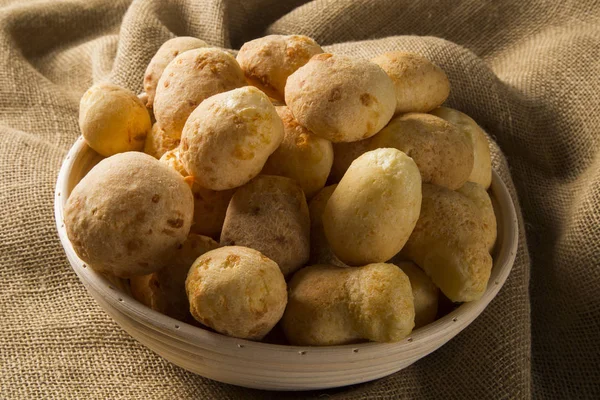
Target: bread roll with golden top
{"points": [[478, 195], [339, 98], [228, 138], [482, 160], [449, 244], [164, 290], [425, 293], [128, 214], [320, 250], [188, 80], [420, 85], [443, 154], [172, 159], [210, 206], [165, 54], [329, 305], [158, 142], [236, 291], [270, 214], [113, 120], [301, 156], [374, 208], [268, 61]]}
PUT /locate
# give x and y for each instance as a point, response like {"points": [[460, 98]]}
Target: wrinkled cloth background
{"points": [[527, 71]]}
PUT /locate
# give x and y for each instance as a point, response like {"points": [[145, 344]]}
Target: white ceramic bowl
{"points": [[269, 366]]}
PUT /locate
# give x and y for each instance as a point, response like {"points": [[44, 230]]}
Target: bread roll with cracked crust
{"points": [[270, 214], [128, 214], [228, 138], [443, 154], [158, 142], [339, 98], [374, 208], [236, 291], [188, 80], [172, 158], [449, 244], [164, 290], [482, 160], [329, 305], [268, 61], [165, 54], [420, 85], [301, 156]]}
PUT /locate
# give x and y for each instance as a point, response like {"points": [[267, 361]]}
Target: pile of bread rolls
{"points": [[328, 195]]}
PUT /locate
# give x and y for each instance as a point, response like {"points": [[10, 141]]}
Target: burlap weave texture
{"points": [[527, 71]]}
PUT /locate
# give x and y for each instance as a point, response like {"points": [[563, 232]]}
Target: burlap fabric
{"points": [[527, 71]]}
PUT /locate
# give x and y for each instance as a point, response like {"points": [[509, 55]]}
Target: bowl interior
{"points": [[114, 296]]}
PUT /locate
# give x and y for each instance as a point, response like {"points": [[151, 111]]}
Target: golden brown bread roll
{"points": [[425, 293], [188, 80], [478, 195], [113, 120], [268, 61], [158, 142], [301, 156], [236, 291]]}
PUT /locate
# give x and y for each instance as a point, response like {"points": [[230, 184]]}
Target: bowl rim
{"points": [[448, 325]]}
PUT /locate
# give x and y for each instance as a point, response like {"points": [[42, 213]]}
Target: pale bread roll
{"points": [[443, 154], [270, 214], [228, 138], [449, 244], [268, 61], [339, 98], [479, 196], [329, 305], [420, 85], [320, 250], [128, 214], [374, 208], [188, 80], [165, 54], [158, 142], [482, 160]]}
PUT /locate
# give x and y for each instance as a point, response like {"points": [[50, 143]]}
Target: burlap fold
{"points": [[528, 72]]}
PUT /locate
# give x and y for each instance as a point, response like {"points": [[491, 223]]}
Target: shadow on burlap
{"points": [[528, 72]]}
